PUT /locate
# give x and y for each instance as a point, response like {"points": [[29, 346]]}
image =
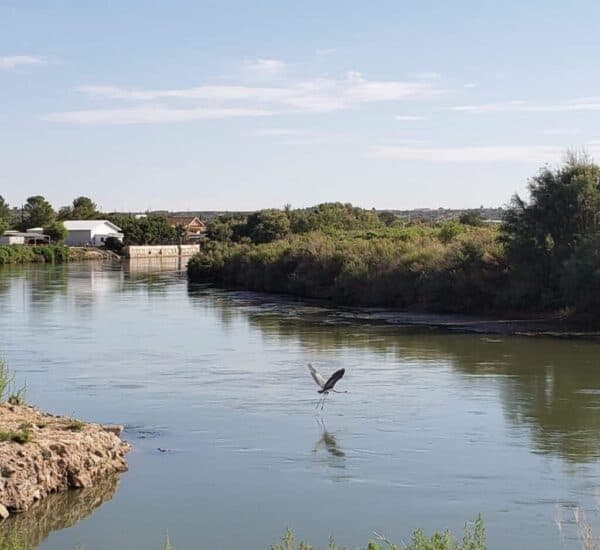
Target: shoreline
{"points": [[42, 454], [535, 325]]}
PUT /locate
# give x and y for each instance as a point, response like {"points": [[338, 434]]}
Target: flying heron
{"points": [[326, 385]]}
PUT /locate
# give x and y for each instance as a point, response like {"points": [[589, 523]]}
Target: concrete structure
{"points": [[17, 237], [90, 232], [161, 251], [194, 227]]}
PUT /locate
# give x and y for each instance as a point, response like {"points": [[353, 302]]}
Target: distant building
{"points": [[27, 237], [90, 232], [193, 225]]}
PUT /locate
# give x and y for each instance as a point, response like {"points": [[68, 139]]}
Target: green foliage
{"points": [[20, 436], [82, 209], [5, 213], [3, 226], [75, 425], [56, 231], [19, 254], [473, 539], [471, 217], [114, 244], [152, 229], [403, 267], [266, 226], [333, 216], [542, 236], [38, 212], [8, 390], [388, 218]]}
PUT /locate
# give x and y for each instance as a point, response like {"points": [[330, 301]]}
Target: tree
{"points": [[38, 212], [268, 225], [471, 217], [152, 229], [541, 236], [56, 231], [387, 218], [83, 209], [5, 213], [3, 226]]}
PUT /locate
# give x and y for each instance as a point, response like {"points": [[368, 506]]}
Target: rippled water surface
{"points": [[436, 427]]}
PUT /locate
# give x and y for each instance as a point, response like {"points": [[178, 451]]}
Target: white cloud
{"points": [[12, 61], [501, 153], [318, 95], [410, 117], [325, 51], [582, 104], [149, 115], [266, 66], [427, 75], [562, 131], [268, 132]]}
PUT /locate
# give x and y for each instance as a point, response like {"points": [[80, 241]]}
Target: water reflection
{"points": [[55, 512], [551, 387], [328, 442]]}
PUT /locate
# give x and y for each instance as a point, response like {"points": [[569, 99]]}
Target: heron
{"points": [[326, 385]]}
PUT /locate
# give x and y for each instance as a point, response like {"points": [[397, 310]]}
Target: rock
{"points": [[3, 512], [63, 454], [115, 429]]}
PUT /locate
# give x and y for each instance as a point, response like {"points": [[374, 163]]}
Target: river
{"points": [[436, 427]]}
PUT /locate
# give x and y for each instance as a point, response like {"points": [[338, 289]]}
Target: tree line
{"points": [[38, 212], [544, 256]]}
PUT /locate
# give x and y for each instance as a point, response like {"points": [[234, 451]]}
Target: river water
{"points": [[436, 427]]}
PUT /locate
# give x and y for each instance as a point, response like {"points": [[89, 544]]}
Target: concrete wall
{"points": [[161, 251]]}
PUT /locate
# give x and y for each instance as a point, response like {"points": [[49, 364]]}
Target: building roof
{"points": [[30, 234], [88, 225], [185, 221]]}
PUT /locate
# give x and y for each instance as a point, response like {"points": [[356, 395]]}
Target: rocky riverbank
{"points": [[41, 454]]}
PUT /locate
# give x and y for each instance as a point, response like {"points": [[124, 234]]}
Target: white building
{"points": [[90, 232], [17, 237]]}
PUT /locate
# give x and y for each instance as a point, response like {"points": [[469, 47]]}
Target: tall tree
{"points": [[541, 236], [84, 209], [38, 212], [5, 213]]}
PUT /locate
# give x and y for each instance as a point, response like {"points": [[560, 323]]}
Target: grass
{"points": [[8, 391], [20, 436], [473, 539], [75, 425]]}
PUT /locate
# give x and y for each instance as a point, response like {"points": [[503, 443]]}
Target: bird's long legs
{"points": [[323, 402]]}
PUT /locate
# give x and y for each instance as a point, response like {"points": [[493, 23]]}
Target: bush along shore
{"points": [[544, 257], [21, 254], [41, 453]]}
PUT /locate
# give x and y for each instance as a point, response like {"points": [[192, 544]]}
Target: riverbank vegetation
{"points": [[20, 254], [543, 257]]}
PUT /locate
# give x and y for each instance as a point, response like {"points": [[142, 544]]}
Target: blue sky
{"points": [[246, 105]]}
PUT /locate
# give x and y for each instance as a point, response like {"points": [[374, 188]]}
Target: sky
{"points": [[239, 105]]}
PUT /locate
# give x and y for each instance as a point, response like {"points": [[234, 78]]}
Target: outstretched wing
{"points": [[333, 379], [316, 376]]}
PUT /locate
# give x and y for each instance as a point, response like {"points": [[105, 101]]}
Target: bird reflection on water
{"points": [[329, 442]]}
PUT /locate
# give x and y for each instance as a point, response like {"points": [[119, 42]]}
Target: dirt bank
{"points": [[42, 454]]}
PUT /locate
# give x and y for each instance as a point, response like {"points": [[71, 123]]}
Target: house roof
{"points": [[88, 225], [28, 234], [185, 221]]}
